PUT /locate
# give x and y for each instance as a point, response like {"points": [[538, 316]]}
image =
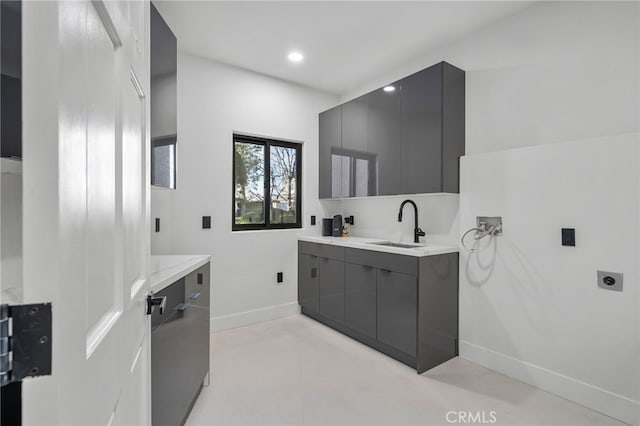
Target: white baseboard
{"points": [[241, 319], [609, 403]]}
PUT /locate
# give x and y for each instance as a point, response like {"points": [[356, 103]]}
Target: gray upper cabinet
{"points": [[358, 167], [330, 183], [405, 141], [421, 142], [163, 102], [384, 139]]}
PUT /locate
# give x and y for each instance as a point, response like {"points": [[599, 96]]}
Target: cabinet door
{"points": [[422, 131], [308, 282], [330, 142], [360, 299], [331, 289], [397, 310], [384, 144], [358, 166]]}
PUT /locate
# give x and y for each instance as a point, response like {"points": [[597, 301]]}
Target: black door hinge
{"points": [[25, 342]]}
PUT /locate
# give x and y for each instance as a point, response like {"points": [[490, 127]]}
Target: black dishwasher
{"points": [[180, 348]]}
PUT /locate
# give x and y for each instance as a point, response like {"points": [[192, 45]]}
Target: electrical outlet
{"points": [[206, 222], [610, 280], [279, 278], [157, 224], [313, 221], [568, 237]]}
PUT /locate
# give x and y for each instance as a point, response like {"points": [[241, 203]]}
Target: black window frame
{"points": [[267, 143]]}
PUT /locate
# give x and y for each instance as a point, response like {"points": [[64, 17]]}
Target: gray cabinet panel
{"points": [[392, 262], [308, 282], [180, 348], [384, 142], [405, 141], [330, 140], [331, 289], [354, 125], [360, 299], [403, 306], [321, 250], [438, 310], [453, 130], [357, 165], [397, 302], [308, 248], [421, 131], [197, 287]]}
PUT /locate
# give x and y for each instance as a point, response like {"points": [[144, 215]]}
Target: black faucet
{"points": [[417, 232]]}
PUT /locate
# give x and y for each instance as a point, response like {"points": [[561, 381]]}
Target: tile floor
{"points": [[296, 371]]}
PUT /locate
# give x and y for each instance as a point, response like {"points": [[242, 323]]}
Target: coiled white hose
{"points": [[481, 232]]}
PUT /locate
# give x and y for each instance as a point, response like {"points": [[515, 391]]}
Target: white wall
{"points": [[531, 307], [562, 77], [214, 100], [378, 216], [556, 71]]}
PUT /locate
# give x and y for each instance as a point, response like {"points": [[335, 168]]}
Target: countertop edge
{"points": [[362, 245], [164, 278]]}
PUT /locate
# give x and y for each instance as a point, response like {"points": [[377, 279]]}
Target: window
{"points": [[266, 184], [163, 162]]}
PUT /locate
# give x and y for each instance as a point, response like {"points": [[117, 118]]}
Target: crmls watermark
{"points": [[471, 417]]}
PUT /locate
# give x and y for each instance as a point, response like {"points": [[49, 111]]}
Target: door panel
{"points": [[330, 177], [332, 289], [398, 310], [103, 289], [360, 299], [308, 282], [422, 131], [86, 137], [383, 141]]}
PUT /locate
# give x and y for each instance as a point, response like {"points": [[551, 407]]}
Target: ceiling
{"points": [[344, 43]]}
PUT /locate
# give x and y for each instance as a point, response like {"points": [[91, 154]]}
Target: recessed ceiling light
{"points": [[389, 88], [296, 57]]}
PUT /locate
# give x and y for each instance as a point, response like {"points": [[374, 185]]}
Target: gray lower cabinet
{"points": [[180, 348], [308, 282], [397, 301], [331, 289], [403, 306], [360, 299]]}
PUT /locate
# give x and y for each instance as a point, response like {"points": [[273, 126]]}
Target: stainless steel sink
{"points": [[400, 245]]}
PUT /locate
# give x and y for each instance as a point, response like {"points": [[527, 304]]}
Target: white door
{"points": [[86, 207]]}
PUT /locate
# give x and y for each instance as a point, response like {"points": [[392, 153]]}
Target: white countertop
{"points": [[420, 250], [165, 270]]}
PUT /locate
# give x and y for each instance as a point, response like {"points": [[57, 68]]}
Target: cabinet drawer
{"points": [[321, 250], [386, 261]]}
